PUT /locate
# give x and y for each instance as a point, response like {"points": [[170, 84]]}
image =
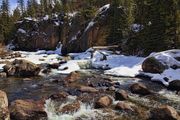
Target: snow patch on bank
{"points": [[119, 65]]}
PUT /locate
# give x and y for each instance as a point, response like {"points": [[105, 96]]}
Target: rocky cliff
{"points": [[74, 31]]}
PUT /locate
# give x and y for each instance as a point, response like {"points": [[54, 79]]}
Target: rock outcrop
{"points": [[37, 34]]}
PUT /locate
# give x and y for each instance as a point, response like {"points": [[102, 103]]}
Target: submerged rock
{"points": [[103, 102], [139, 88], [4, 112], [88, 89], [152, 65], [164, 113], [61, 96], [123, 106], [22, 68], [27, 110], [70, 108], [121, 95]]}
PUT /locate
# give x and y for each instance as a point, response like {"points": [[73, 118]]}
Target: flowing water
{"points": [[39, 87]]}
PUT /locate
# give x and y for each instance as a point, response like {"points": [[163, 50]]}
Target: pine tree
{"points": [[16, 14], [5, 20], [118, 23], [21, 6]]}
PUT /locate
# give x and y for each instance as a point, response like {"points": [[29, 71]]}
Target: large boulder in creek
{"points": [[27, 110], [22, 68], [103, 102], [152, 65], [4, 112], [164, 112], [139, 88]]}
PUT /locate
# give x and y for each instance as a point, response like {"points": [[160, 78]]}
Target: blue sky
{"points": [[13, 3]]}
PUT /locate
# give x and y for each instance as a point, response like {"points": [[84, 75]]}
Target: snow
{"points": [[70, 65], [168, 57], [72, 14], [170, 74], [21, 31], [104, 8], [30, 19], [1, 67], [124, 71], [10, 46], [46, 17], [136, 27], [119, 65], [89, 25]]}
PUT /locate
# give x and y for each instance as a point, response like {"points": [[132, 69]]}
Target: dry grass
{"points": [[3, 51]]}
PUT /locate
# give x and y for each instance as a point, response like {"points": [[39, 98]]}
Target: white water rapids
{"points": [[86, 112]]}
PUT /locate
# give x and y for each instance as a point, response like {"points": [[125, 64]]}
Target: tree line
{"points": [[157, 21]]}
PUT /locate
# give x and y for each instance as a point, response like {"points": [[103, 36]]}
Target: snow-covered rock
{"points": [[169, 58]]}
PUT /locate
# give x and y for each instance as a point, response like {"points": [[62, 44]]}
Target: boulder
{"points": [[4, 112], [3, 75], [22, 68], [103, 102], [121, 95], [61, 96], [27, 110], [152, 65], [164, 112], [123, 106], [139, 88], [70, 108], [72, 77], [174, 85], [88, 89]]}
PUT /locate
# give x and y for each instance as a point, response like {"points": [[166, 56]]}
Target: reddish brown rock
{"points": [[103, 102], [139, 88], [72, 77], [88, 89], [27, 110], [61, 96], [4, 112], [164, 112], [121, 95], [123, 106]]}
